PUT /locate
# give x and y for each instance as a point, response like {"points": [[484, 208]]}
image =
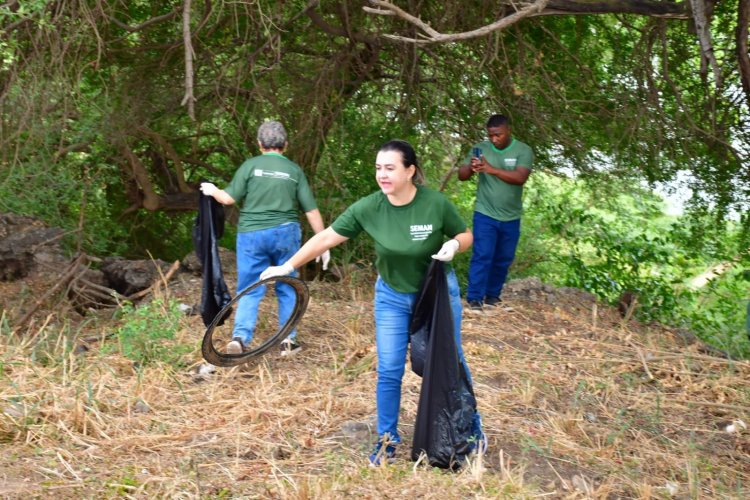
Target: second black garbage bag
{"points": [[443, 428]]}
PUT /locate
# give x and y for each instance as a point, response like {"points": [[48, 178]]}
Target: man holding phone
{"points": [[503, 165]]}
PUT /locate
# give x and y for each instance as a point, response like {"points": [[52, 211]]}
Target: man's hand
{"points": [[480, 165], [273, 271], [208, 188], [325, 258], [448, 251]]}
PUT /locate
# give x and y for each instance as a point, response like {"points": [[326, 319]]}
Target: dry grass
{"points": [[575, 403]]}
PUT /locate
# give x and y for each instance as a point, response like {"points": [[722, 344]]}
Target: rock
{"points": [[21, 239], [523, 286], [188, 310], [581, 484], [131, 276], [671, 488], [227, 257], [576, 293], [206, 369], [14, 410], [80, 349], [281, 453], [141, 406], [736, 426], [191, 264], [357, 432]]}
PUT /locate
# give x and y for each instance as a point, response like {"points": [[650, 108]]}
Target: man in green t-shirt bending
{"points": [[272, 189], [503, 165]]}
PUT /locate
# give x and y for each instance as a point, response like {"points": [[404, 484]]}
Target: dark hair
{"points": [[408, 156], [498, 121]]}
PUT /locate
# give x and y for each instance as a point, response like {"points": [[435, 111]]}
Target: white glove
{"points": [[273, 271], [208, 188], [325, 257], [447, 251]]}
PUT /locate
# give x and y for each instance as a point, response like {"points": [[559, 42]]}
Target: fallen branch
{"points": [[88, 290], [63, 280]]}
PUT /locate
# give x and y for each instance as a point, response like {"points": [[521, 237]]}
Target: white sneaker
{"points": [[234, 347], [289, 347]]}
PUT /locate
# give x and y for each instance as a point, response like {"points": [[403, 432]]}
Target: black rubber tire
{"points": [[211, 355]]}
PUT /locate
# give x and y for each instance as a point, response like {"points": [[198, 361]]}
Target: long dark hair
{"points": [[408, 155]]}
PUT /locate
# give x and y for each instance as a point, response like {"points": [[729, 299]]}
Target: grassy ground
{"points": [[576, 404]]}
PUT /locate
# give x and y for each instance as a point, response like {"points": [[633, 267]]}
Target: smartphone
{"points": [[476, 153]]}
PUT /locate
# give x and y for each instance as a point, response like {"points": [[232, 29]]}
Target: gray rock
{"points": [[141, 406], [357, 432], [14, 410]]}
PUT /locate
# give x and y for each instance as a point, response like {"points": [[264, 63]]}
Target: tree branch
{"points": [[172, 154], [144, 25], [743, 57], [433, 36], [189, 98], [307, 10], [318, 21], [72, 148], [649, 8], [704, 38], [429, 35], [151, 200]]}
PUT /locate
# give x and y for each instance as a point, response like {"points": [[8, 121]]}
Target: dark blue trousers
{"points": [[494, 249]]}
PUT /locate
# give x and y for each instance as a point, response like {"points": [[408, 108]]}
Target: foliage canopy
{"points": [[126, 106]]}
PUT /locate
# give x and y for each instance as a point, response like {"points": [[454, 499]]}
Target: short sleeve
{"points": [[453, 223], [237, 189], [347, 224], [526, 158], [305, 195]]}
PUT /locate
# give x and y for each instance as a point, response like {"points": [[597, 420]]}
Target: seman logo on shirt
{"points": [[272, 174], [420, 232]]}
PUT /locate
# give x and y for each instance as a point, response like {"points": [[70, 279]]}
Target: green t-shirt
{"points": [[273, 188], [405, 237], [497, 198]]}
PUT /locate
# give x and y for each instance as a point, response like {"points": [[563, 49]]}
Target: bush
{"points": [[147, 331]]}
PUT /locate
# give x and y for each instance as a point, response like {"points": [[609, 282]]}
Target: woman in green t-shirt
{"points": [[409, 224]]}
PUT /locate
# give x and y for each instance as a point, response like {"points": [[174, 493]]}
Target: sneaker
{"points": [[492, 301], [478, 441], [289, 346], [235, 346], [382, 454], [497, 303], [474, 306]]}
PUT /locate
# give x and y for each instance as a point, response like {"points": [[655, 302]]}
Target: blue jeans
{"points": [[256, 250], [393, 311], [494, 249]]}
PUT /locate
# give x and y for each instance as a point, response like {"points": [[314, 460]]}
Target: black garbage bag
{"points": [[443, 428], [208, 229]]}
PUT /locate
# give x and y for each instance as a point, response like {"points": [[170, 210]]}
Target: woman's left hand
{"points": [[448, 251]]}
